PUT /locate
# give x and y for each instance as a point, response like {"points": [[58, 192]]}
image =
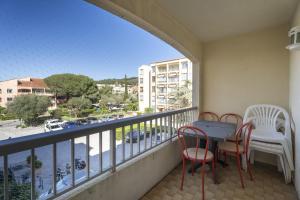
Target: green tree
{"points": [[149, 110], [183, 96], [72, 85], [28, 108], [77, 104], [132, 107], [37, 163], [126, 88]]}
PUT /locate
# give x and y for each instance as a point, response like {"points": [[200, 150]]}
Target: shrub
{"points": [[38, 164], [57, 113]]}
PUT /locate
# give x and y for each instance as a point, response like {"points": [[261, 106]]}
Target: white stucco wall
{"points": [[295, 100], [133, 180]]}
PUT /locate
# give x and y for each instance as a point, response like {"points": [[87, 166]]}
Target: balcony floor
{"points": [[268, 184]]}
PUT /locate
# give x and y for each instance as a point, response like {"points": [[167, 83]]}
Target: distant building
{"points": [[120, 88], [159, 80], [11, 88]]}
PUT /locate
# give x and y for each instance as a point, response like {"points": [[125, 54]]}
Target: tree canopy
{"points": [[28, 107], [183, 96], [77, 104], [130, 81], [72, 85]]}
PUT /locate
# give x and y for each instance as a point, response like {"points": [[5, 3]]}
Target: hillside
{"points": [[130, 81]]}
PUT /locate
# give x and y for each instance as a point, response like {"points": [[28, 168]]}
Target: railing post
{"points": [[5, 176], [87, 154], [156, 124], [100, 153], [54, 169], [123, 143], [73, 161], [170, 132], [145, 136], [113, 150], [139, 137], [131, 142], [32, 164]]}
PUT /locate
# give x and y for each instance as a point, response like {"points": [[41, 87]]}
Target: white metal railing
{"points": [[145, 133]]}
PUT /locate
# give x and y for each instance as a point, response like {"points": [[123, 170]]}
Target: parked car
{"points": [[53, 127], [92, 120], [54, 121], [70, 124], [135, 134], [82, 121]]}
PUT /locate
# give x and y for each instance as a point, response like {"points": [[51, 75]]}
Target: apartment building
{"points": [[11, 88], [158, 82], [144, 83]]}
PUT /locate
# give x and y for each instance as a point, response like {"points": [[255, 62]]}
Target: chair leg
{"points": [[240, 170], [193, 167], [183, 173], [202, 174], [225, 159], [249, 169], [213, 168]]}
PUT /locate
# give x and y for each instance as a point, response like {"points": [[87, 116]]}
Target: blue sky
{"points": [[43, 37]]}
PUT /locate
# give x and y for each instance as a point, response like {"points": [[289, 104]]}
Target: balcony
{"points": [[232, 67], [105, 157]]}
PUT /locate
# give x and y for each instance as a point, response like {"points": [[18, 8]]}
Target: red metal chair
{"points": [[236, 149], [209, 116], [235, 119], [197, 154]]}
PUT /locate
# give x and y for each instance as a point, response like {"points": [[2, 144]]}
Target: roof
{"points": [[170, 60], [34, 82]]}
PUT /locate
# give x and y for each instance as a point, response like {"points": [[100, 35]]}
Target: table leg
{"points": [[214, 147]]}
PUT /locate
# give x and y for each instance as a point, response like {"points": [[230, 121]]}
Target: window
{"points": [[141, 89], [0, 91], [153, 78], [37, 90], [9, 99], [184, 65], [141, 72], [153, 88], [184, 77], [141, 80], [153, 69], [9, 91], [24, 90], [0, 99]]}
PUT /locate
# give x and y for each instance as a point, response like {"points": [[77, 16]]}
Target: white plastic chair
{"points": [[271, 134]]}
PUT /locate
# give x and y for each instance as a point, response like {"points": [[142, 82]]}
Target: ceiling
{"points": [[215, 19]]}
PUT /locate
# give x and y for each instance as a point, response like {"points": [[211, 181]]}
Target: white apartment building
{"points": [[158, 82], [144, 87]]}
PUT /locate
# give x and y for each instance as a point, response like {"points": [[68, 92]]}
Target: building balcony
{"points": [[102, 155]]}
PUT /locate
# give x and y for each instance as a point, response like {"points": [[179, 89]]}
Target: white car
{"points": [[53, 127], [54, 121]]}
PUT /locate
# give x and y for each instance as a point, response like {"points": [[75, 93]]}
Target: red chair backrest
{"points": [[186, 131], [244, 132], [232, 118], [209, 116]]}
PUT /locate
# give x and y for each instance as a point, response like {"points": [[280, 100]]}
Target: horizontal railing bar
{"points": [[15, 145]]}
